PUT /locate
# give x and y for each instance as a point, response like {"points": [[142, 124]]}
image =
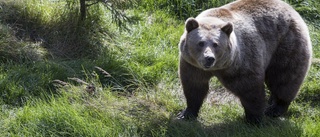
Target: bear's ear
{"points": [[228, 28], [191, 24]]}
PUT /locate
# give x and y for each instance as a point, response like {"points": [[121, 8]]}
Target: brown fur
{"points": [[246, 44]]}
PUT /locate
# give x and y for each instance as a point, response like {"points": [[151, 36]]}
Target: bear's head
{"points": [[206, 43]]}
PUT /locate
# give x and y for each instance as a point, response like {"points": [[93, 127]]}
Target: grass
{"points": [[141, 93]]}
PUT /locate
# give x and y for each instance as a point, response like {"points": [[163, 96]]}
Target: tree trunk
{"points": [[83, 10]]}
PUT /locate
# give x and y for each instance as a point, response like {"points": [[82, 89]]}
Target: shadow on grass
{"points": [[63, 35], [59, 28], [238, 127], [157, 124]]}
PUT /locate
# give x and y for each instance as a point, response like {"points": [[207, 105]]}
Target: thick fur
{"points": [[246, 44]]}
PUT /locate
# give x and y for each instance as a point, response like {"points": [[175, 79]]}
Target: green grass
{"points": [[142, 94]]}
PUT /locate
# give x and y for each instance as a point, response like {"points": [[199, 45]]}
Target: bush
{"points": [[182, 9]]}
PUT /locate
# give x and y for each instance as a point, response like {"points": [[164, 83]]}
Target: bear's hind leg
{"points": [[287, 69], [283, 80]]}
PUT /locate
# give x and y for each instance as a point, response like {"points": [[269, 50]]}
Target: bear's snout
{"points": [[209, 61]]}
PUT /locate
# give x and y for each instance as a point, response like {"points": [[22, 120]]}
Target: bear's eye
{"points": [[215, 44], [201, 44]]}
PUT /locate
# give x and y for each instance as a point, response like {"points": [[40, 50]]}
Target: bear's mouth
{"points": [[207, 66]]}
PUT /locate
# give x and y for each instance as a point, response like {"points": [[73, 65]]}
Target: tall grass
{"points": [[59, 117]]}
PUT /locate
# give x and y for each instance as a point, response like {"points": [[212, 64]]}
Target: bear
{"points": [[249, 46]]}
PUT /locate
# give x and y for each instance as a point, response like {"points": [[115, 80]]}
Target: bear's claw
{"points": [[186, 115]]}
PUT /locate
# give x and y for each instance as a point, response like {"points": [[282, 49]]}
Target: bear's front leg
{"points": [[253, 101], [195, 92], [195, 84]]}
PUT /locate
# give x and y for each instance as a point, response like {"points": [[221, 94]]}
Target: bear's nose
{"points": [[209, 59]]}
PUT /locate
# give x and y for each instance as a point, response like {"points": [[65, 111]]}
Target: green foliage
{"points": [[182, 9], [309, 9], [315, 38]]}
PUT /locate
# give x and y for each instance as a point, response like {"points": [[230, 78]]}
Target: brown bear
{"points": [[247, 45]]}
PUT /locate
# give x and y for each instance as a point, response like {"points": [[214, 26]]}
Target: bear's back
{"points": [[261, 26], [250, 11]]}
